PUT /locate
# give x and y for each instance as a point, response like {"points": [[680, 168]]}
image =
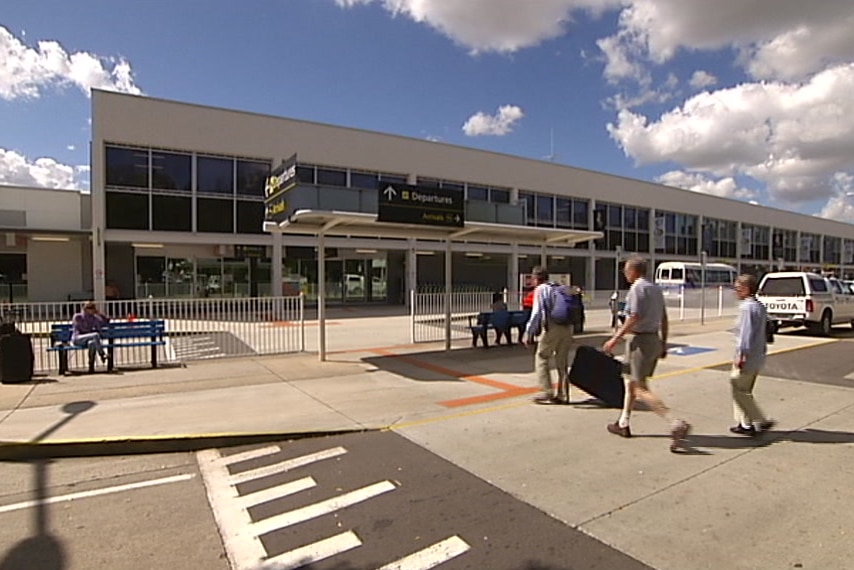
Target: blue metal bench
{"points": [[115, 335], [502, 322]]}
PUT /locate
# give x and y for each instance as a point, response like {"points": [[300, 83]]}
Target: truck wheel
{"points": [[826, 324]]}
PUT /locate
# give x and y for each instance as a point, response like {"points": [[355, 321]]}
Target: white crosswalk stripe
{"points": [[241, 535]]}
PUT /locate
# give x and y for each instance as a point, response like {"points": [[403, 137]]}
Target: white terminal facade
{"points": [[176, 209]]}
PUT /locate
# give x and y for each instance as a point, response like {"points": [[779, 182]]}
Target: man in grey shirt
{"points": [[749, 358], [647, 322]]}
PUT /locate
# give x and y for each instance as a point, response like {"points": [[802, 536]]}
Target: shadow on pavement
{"points": [[528, 565], [696, 442], [43, 550]]}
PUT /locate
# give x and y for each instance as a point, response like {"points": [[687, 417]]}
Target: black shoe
{"points": [[741, 430], [547, 400], [620, 431]]}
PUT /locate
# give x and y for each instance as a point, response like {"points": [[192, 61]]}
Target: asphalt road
{"points": [[122, 513], [376, 500]]}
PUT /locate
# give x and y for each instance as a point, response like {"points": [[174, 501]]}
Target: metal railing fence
{"points": [[196, 329], [427, 314]]}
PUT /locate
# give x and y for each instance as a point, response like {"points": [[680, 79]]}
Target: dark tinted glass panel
{"points": [[171, 213], [215, 175], [782, 287], [579, 213], [563, 212], [643, 219], [630, 241], [428, 182], [305, 174], [250, 217], [365, 180], [478, 193], [251, 177], [330, 177], [214, 215], [453, 185], [499, 196], [528, 200], [545, 210], [127, 211], [399, 178], [170, 171], [643, 243], [629, 218], [615, 217], [818, 285], [13, 267], [126, 167], [150, 269]]}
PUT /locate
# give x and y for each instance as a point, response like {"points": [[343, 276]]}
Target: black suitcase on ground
{"points": [[16, 358], [598, 374]]}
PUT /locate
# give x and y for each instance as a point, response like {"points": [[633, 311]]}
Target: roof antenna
{"points": [[551, 156]]}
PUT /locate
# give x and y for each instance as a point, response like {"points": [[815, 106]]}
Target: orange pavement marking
{"points": [[507, 390]]}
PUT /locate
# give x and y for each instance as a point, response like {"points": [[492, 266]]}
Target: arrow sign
{"points": [[413, 204], [390, 192]]}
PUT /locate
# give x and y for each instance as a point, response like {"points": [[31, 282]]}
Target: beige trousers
{"points": [[744, 406], [555, 342]]}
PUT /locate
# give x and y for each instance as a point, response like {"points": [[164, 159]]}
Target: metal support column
{"points": [[276, 277], [513, 277], [321, 296], [448, 286], [411, 271]]}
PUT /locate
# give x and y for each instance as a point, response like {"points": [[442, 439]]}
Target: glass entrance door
{"points": [[355, 279]]}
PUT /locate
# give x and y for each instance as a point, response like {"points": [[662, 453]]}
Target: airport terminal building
{"points": [[177, 209]]}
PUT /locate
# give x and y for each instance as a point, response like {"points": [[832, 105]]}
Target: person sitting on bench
{"points": [[86, 330]]}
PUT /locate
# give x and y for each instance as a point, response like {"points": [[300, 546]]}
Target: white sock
{"points": [[624, 420]]}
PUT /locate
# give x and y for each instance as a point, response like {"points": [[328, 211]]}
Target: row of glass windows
{"points": [[551, 211], [152, 169], [136, 211]]}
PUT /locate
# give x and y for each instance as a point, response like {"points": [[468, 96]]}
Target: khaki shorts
{"points": [[644, 352]]}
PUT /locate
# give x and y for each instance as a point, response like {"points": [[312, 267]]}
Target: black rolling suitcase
{"points": [[598, 374], [16, 358]]}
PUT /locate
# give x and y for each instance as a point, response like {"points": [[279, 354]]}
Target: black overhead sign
{"points": [[280, 180], [407, 204]]}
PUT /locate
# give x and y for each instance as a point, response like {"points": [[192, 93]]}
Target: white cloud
{"points": [[792, 137], [788, 41], [71, 147], [17, 170], [841, 205], [492, 25], [498, 124], [725, 187], [26, 72], [702, 79]]}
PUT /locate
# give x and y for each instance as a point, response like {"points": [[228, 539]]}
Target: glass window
{"points": [[215, 175], [615, 217], [150, 269], [458, 186], [478, 193], [643, 219], [394, 178], [563, 212], [428, 182], [579, 213], [126, 167], [214, 215], [545, 210], [250, 217], [127, 211], [629, 218], [499, 195], [251, 177], [305, 173], [528, 201], [13, 268], [331, 177], [367, 180], [170, 171], [171, 213]]}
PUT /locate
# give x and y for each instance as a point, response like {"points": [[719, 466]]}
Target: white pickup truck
{"points": [[797, 298]]}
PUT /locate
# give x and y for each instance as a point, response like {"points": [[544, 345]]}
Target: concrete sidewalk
{"points": [[729, 503]]}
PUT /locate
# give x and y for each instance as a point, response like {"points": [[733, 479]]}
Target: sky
{"points": [[745, 99]]}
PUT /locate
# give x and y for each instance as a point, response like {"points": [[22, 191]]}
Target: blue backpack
{"points": [[563, 305]]}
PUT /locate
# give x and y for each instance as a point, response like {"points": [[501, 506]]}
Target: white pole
{"points": [[448, 285], [412, 315], [720, 300], [618, 255], [681, 302], [703, 256], [321, 296]]}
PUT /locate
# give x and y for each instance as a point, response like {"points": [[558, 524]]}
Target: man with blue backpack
{"points": [[552, 321]]}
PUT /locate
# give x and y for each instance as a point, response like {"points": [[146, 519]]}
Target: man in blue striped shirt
{"points": [[555, 340], [749, 358]]}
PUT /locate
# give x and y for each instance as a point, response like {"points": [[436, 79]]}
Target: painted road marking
{"points": [[315, 552], [285, 466], [322, 508], [431, 556], [251, 454], [95, 492], [272, 493]]}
